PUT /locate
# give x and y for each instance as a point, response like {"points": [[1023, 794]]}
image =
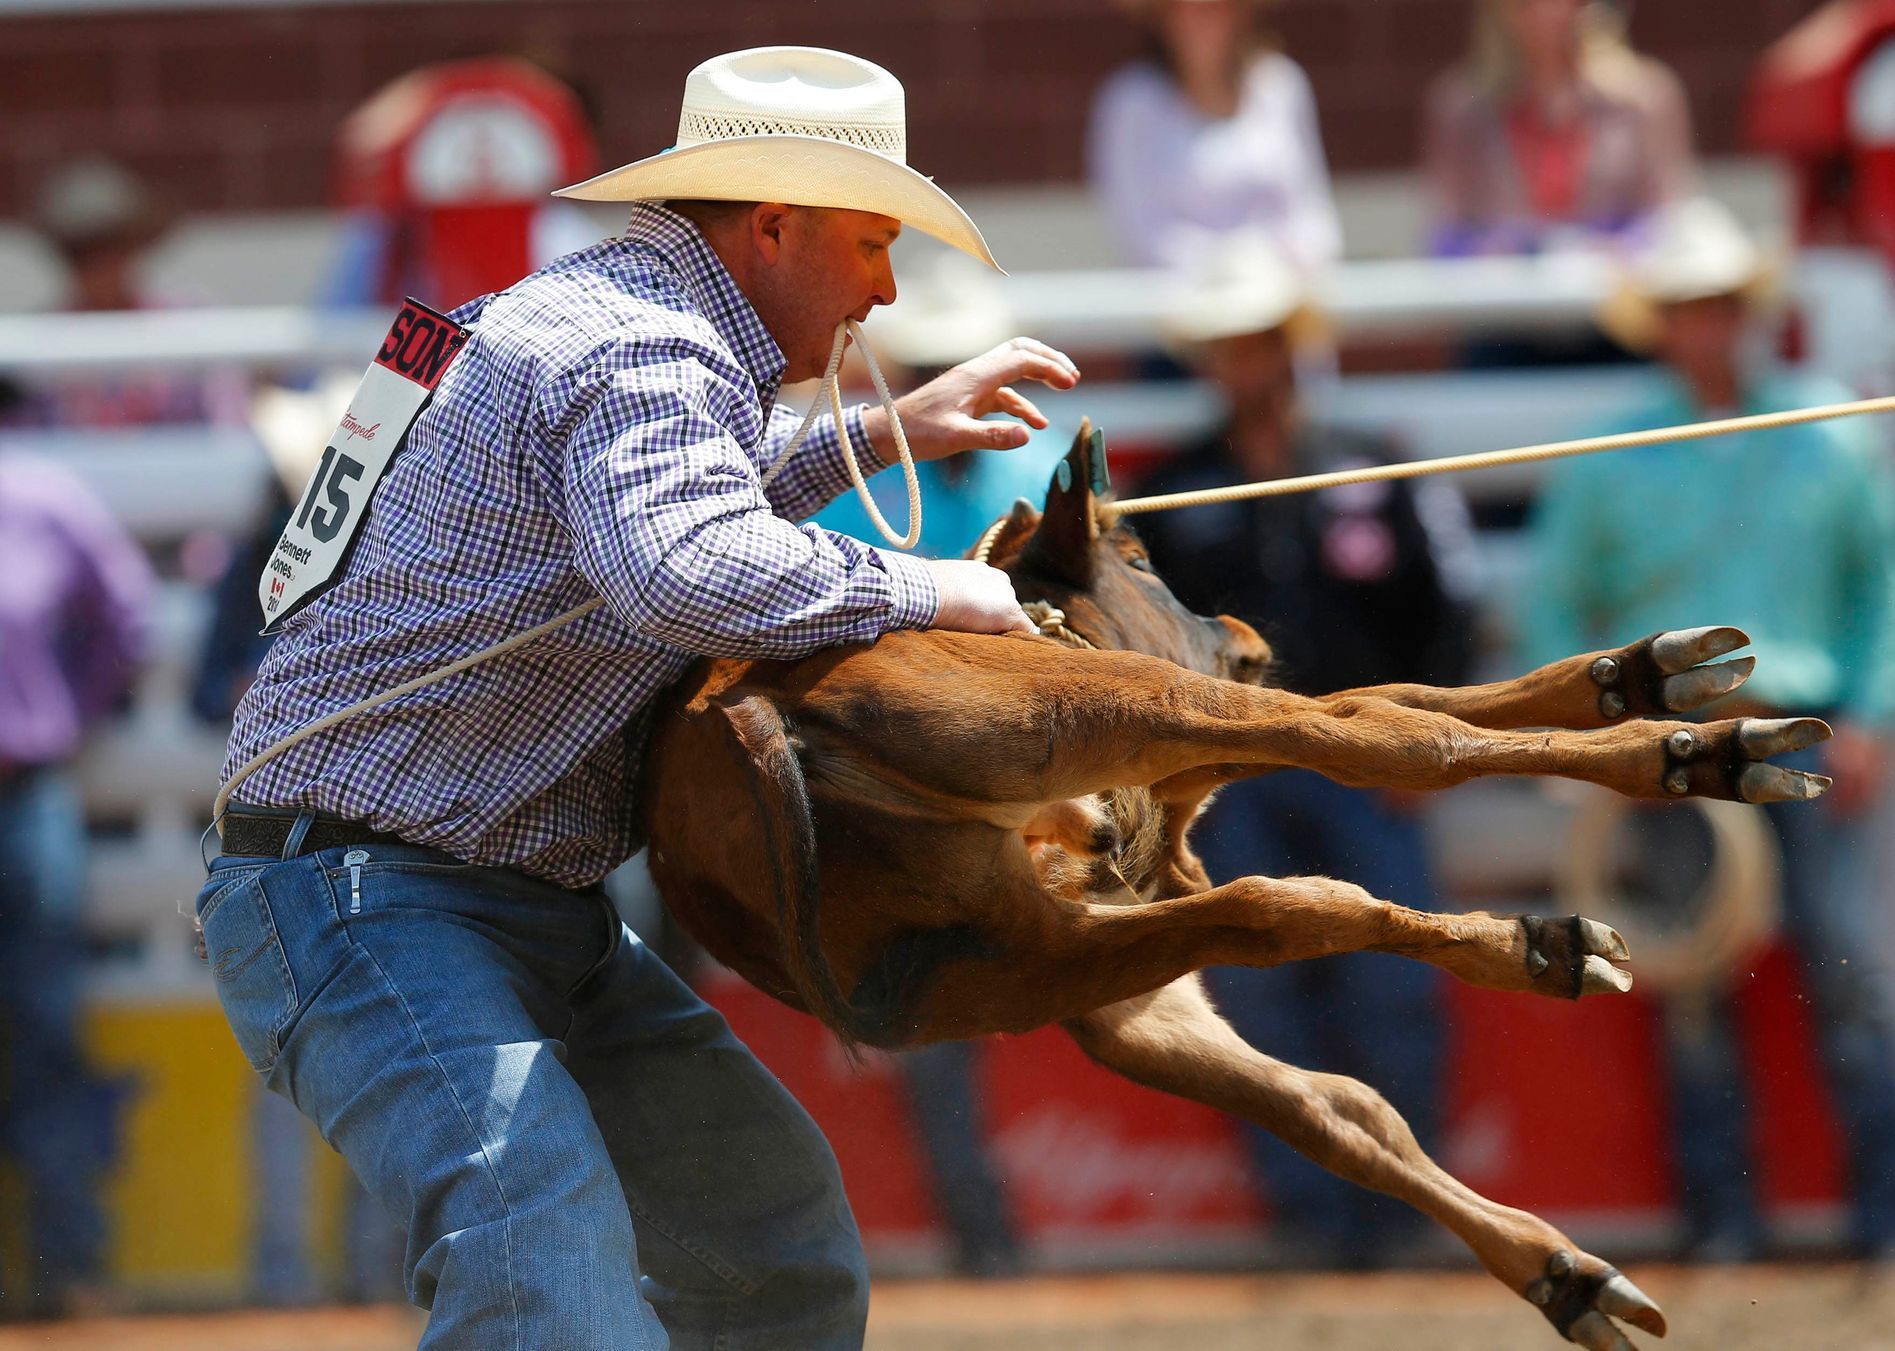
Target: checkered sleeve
{"points": [[670, 522], [816, 475]]}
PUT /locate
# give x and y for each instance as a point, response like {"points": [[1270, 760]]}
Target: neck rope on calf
{"points": [[1048, 616]]}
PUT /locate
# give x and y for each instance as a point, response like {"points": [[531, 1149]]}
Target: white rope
{"points": [[984, 548], [263, 757], [846, 329], [1554, 450]]}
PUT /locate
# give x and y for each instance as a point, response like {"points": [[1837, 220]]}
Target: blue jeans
{"points": [[1829, 916], [1372, 1016], [585, 1157], [58, 1121]]}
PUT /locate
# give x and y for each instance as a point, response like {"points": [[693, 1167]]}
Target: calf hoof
{"points": [[1580, 1296], [1670, 672], [1730, 760], [1575, 956]]}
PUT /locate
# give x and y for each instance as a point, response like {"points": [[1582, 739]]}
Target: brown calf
{"points": [[946, 835]]}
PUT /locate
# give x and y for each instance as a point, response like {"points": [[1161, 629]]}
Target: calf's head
{"points": [[1074, 555]]}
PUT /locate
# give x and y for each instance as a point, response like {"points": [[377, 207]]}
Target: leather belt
{"points": [[250, 835]]}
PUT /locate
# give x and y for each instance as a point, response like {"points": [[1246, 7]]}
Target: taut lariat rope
{"points": [[1554, 450]]}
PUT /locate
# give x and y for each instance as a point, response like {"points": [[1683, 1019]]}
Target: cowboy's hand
{"points": [[976, 598], [943, 417]]}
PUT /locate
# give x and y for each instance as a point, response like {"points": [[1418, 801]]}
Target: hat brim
{"points": [[1631, 313], [798, 170], [1189, 328]]}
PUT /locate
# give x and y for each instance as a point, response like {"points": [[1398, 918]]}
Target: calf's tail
{"points": [[789, 829]]}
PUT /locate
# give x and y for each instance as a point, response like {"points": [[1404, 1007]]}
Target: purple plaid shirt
{"points": [[602, 433]]}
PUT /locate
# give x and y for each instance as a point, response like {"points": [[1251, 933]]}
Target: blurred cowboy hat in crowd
{"points": [[1239, 283], [94, 202], [1697, 250], [799, 125], [952, 311], [293, 425]]}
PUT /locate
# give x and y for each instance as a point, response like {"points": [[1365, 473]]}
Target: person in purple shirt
{"points": [[73, 595]]}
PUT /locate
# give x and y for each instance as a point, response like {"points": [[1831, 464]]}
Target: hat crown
{"points": [[795, 91], [1698, 249], [1239, 282]]}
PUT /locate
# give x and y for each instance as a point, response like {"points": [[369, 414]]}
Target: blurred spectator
{"points": [[444, 176], [1790, 535], [103, 223], [1214, 129], [1352, 586], [943, 319], [947, 315], [292, 426], [1553, 133], [73, 596]]}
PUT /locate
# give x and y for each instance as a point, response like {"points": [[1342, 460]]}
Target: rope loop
{"points": [[845, 330]]}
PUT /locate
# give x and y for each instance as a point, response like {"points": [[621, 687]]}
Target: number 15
{"points": [[336, 470]]}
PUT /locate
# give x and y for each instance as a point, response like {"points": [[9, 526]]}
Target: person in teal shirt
{"points": [[961, 495], [1789, 535]]}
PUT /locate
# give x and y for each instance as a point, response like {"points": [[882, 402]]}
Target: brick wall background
{"points": [[235, 109]]}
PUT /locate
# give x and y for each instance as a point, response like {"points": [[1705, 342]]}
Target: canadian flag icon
{"points": [[276, 586]]}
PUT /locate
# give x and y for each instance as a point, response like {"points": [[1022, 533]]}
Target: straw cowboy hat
{"points": [[800, 125], [1698, 250], [1736, 910], [1239, 283]]}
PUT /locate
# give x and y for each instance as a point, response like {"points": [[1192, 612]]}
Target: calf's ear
{"points": [[1069, 527], [1015, 529]]}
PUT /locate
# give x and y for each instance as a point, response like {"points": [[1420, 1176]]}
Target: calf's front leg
{"points": [[1173, 1040], [1672, 672], [1017, 723]]}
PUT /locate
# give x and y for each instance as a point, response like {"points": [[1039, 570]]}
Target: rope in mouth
{"points": [[845, 330]]}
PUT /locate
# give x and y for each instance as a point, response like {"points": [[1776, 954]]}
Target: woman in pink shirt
{"points": [[1554, 132]]}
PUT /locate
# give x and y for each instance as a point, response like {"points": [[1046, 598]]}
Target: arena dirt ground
{"points": [[1774, 1308]]}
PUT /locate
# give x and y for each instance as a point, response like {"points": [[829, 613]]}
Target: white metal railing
{"points": [[1111, 308]]}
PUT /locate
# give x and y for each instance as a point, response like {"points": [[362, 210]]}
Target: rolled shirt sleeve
{"points": [[670, 521]]}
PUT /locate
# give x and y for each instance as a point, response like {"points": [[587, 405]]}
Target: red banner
{"points": [[1553, 1107]]}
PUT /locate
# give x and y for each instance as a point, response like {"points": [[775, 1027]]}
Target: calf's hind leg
{"points": [[1172, 1039]]}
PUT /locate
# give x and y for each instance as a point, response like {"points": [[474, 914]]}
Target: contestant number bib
{"points": [[309, 557]]}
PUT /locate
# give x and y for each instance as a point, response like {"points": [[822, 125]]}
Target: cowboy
{"points": [[1623, 545], [1352, 586], [405, 922]]}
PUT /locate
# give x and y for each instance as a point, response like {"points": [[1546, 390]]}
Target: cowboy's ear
{"points": [[1063, 545], [768, 223]]}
